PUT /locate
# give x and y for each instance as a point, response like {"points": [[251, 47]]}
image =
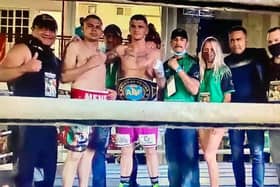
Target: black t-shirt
{"points": [[43, 83], [249, 71], [274, 71]]}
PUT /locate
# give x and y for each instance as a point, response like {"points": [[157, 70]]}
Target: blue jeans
{"points": [[99, 142], [101, 137], [181, 148], [256, 145]]}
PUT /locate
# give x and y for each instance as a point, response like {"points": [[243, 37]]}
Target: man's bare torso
{"points": [[137, 62], [93, 79]]}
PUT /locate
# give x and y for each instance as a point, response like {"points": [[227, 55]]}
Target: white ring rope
{"points": [[27, 110]]}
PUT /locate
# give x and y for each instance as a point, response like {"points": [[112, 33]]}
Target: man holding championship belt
{"points": [[139, 66]]}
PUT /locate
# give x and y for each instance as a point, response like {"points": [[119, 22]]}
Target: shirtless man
{"points": [[84, 66], [139, 66]]}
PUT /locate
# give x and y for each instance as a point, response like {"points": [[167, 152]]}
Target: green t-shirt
{"points": [[111, 75], [191, 67], [217, 85]]}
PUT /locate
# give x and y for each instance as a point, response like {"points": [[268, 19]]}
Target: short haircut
{"points": [[179, 32], [139, 17], [273, 29], [92, 16], [237, 28], [113, 29]]}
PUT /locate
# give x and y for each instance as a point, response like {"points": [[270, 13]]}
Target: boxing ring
{"points": [[46, 111]]}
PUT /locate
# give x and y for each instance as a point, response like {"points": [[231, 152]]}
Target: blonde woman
{"points": [[216, 85]]}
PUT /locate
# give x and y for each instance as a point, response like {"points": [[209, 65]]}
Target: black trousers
{"points": [[39, 148]]}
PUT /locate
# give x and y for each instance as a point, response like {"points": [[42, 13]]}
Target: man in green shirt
{"points": [[182, 74]]}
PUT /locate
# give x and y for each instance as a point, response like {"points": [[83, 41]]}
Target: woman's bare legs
{"points": [[210, 140]]}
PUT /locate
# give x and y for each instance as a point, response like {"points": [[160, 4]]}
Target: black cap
{"points": [[114, 29], [179, 32], [45, 21]]}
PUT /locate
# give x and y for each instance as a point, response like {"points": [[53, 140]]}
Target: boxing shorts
{"points": [[76, 138]]}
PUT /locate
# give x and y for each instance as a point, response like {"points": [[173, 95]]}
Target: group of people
{"points": [[136, 72]]}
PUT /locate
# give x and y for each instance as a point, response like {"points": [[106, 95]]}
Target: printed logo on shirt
{"points": [[50, 84]]}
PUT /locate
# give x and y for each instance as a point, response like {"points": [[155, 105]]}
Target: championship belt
{"points": [[136, 89]]}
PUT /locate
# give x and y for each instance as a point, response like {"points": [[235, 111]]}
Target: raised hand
{"points": [[75, 39], [111, 55], [33, 65], [95, 60], [173, 63]]}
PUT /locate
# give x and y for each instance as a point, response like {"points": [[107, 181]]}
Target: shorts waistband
{"points": [[89, 94]]}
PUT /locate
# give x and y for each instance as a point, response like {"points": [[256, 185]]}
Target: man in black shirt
{"points": [[248, 67], [32, 70]]}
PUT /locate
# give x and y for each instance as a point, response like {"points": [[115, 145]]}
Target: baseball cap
{"points": [[179, 32], [113, 29], [45, 21]]}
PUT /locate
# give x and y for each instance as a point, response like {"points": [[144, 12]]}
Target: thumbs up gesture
{"points": [[33, 65]]}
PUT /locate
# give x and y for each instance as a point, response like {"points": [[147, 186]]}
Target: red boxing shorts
{"points": [[77, 137], [88, 94]]}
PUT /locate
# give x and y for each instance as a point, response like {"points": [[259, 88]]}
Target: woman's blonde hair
{"points": [[219, 66]]}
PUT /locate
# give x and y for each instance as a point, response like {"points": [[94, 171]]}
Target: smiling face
{"points": [[179, 44], [45, 35]]}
